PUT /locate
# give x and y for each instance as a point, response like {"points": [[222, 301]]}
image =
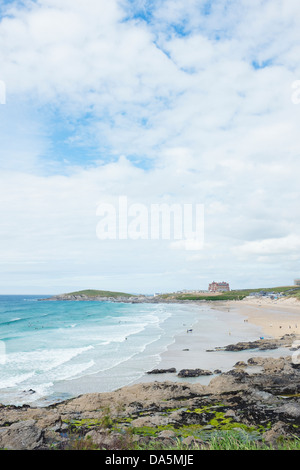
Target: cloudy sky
{"points": [[160, 101]]}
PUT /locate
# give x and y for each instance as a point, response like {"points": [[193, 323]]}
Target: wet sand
{"points": [[196, 349], [245, 320]]}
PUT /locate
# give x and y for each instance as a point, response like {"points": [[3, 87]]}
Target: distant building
{"points": [[297, 282], [219, 287]]}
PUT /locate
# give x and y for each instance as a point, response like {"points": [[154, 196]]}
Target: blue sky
{"points": [[161, 101]]}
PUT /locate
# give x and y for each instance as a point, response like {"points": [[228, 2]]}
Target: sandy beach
{"points": [[275, 317]]}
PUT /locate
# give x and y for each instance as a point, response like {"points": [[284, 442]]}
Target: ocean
{"points": [[52, 351], [45, 344]]}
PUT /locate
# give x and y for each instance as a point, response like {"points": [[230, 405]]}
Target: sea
{"points": [[51, 351]]}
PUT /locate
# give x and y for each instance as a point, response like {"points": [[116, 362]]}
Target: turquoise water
{"points": [[48, 344], [51, 351]]}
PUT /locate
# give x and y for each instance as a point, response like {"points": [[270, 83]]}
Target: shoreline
{"points": [[274, 317], [263, 405], [252, 318], [237, 321], [256, 389]]}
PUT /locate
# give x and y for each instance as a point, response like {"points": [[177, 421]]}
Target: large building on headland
{"points": [[219, 287], [297, 282]]}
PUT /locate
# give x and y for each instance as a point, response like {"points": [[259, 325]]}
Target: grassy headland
{"points": [[99, 293]]}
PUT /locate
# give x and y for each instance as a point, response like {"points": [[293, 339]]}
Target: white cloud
{"points": [[272, 246], [209, 113]]}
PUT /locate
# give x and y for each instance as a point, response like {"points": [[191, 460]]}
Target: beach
{"points": [[254, 392], [275, 317], [245, 320], [255, 389], [58, 350]]}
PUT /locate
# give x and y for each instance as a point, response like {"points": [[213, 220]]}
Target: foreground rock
{"points": [[264, 404], [261, 344], [23, 435]]}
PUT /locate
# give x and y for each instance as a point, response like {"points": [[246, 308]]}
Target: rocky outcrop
{"points": [[162, 371], [23, 435], [87, 298], [266, 403], [193, 373], [261, 344]]}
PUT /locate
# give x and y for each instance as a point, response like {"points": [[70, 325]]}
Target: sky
{"points": [[161, 102]]}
